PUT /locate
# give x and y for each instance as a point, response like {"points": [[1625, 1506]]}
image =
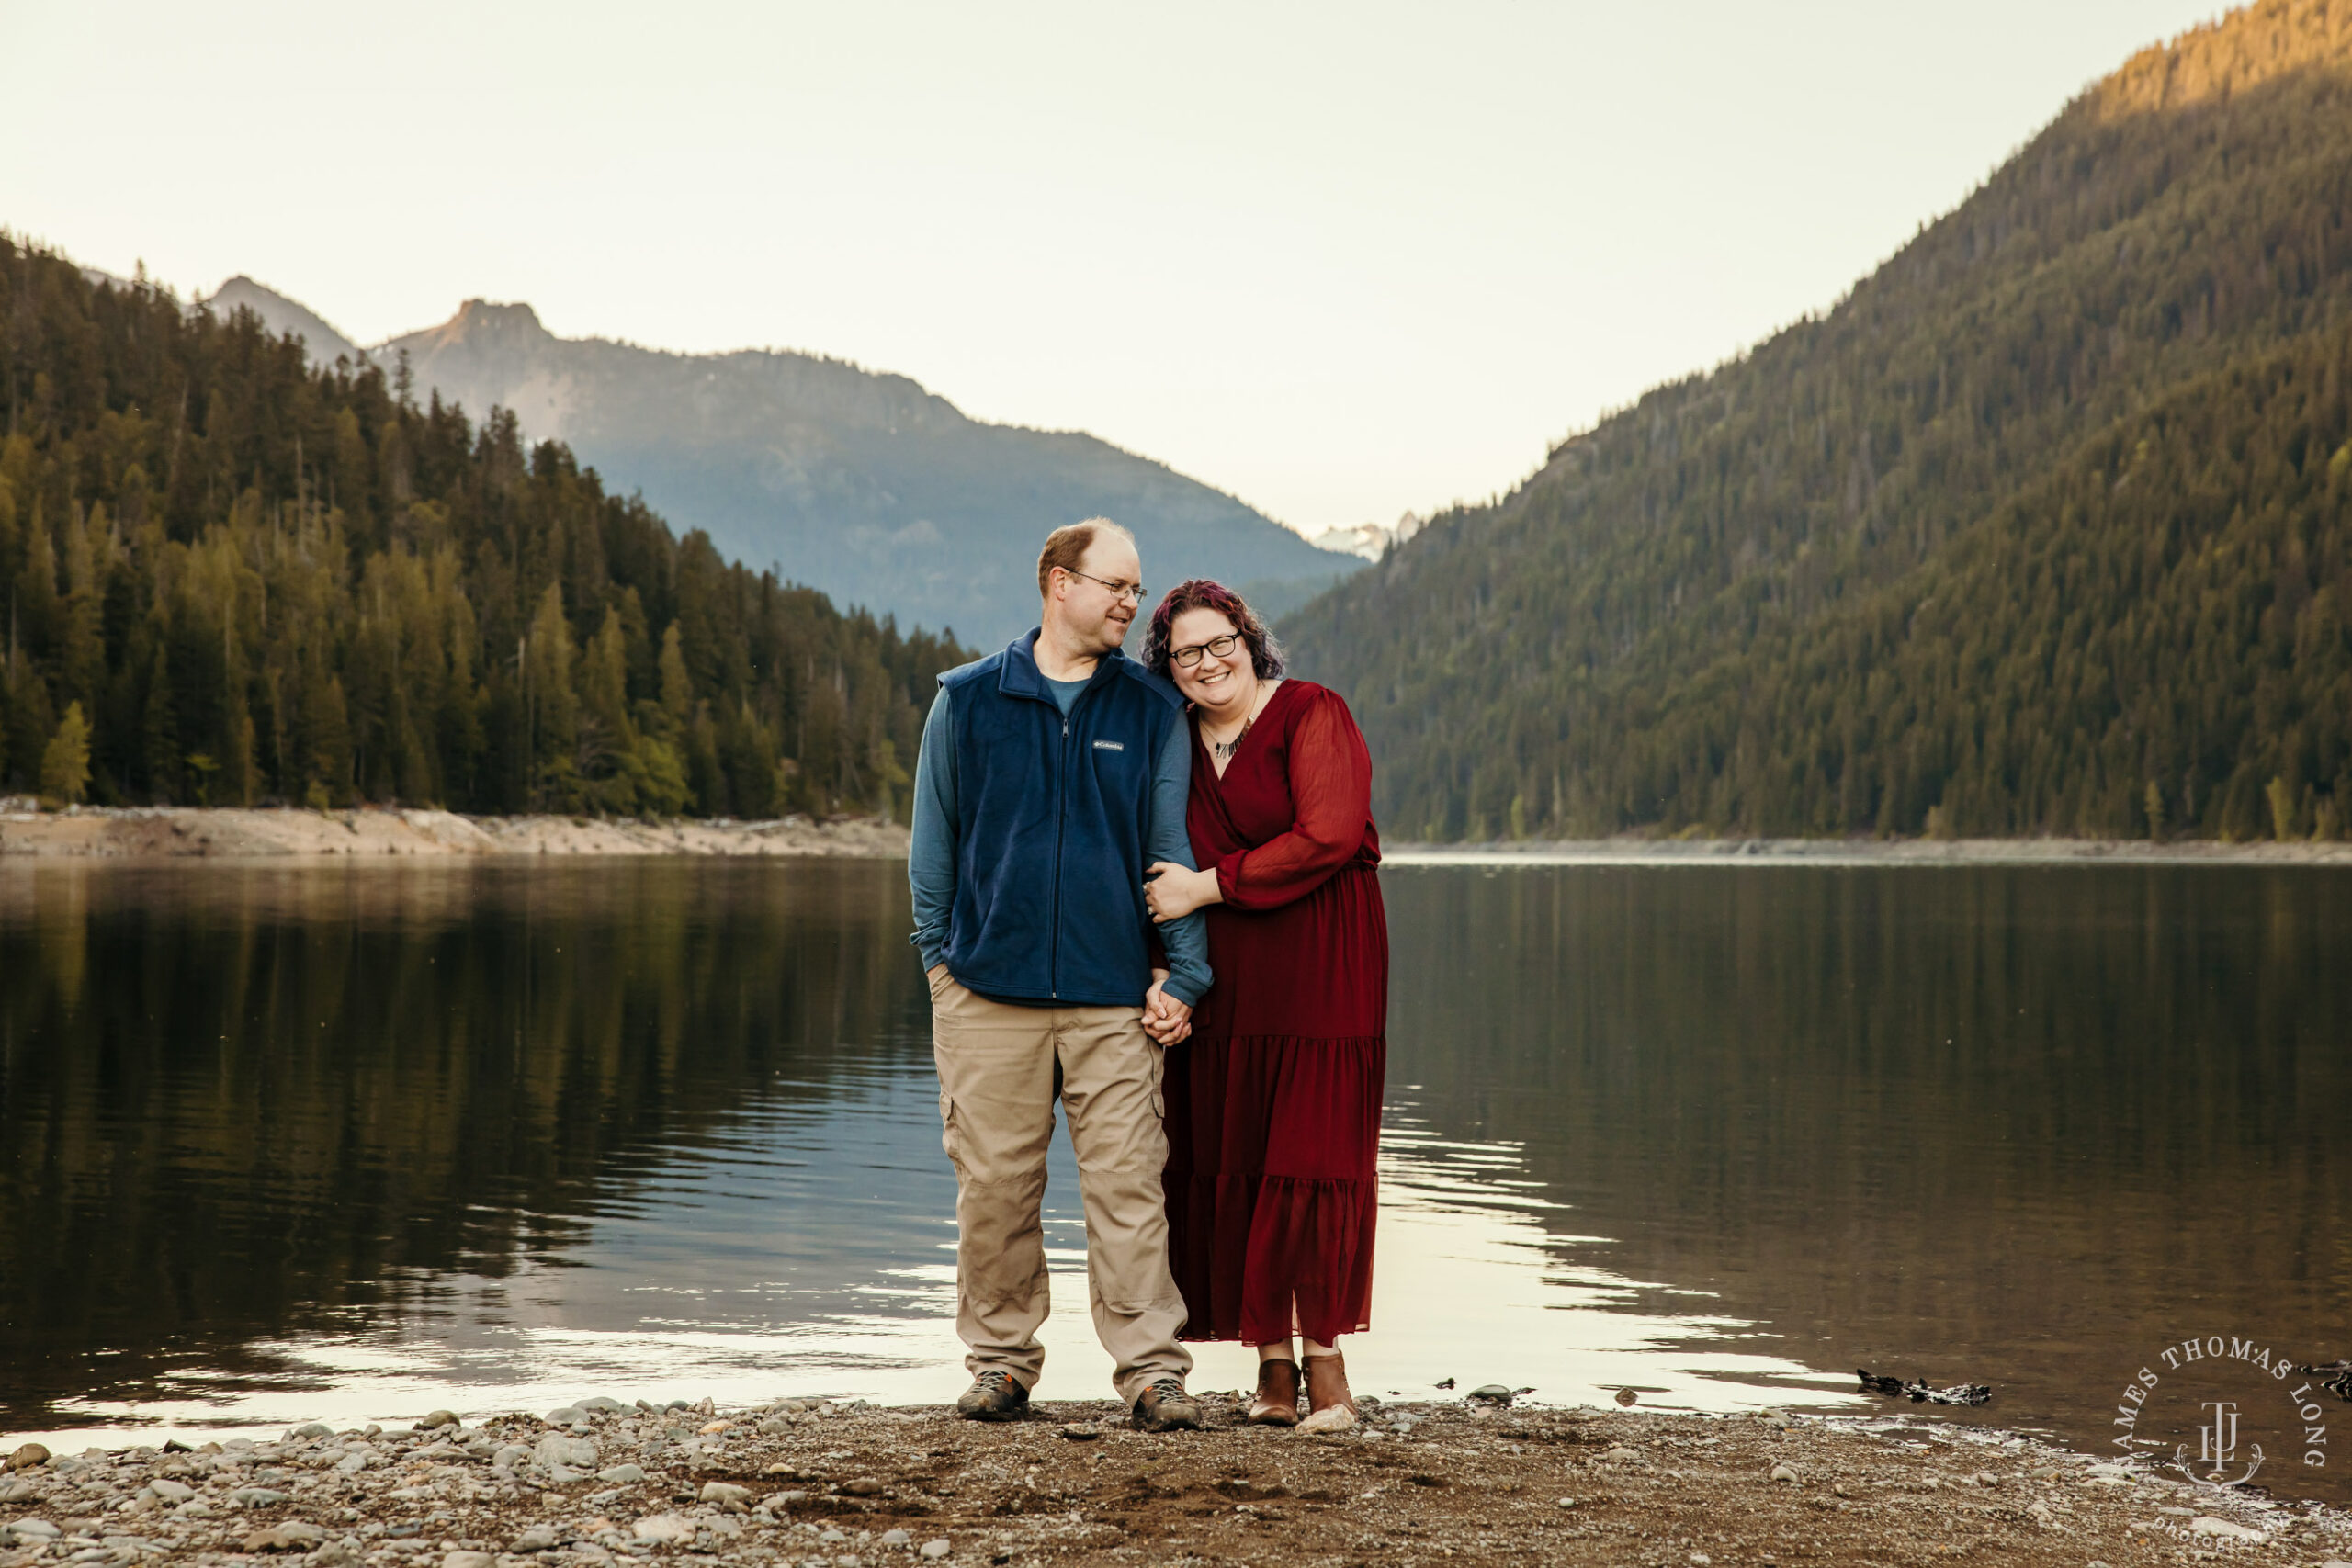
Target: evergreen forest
{"points": [[232, 580], [2044, 529]]}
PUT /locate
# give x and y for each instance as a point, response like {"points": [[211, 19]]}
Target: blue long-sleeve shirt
{"points": [[931, 859]]}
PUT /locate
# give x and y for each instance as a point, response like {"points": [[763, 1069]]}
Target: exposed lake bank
{"points": [[185, 832], [811, 1481], [1633, 849], [368, 832]]}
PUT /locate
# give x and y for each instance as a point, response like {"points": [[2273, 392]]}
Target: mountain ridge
{"points": [[862, 483], [1616, 644], [284, 316]]}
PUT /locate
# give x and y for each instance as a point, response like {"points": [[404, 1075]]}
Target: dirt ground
{"points": [[812, 1482], [176, 832]]}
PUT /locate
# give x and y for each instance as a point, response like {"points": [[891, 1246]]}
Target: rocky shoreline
{"points": [[813, 1484], [185, 832], [176, 832], [1635, 850]]}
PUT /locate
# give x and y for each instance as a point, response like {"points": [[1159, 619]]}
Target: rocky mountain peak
{"points": [[321, 342], [2245, 50], [485, 324]]}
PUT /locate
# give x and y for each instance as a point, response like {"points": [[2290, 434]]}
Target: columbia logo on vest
{"points": [[1110, 746]]}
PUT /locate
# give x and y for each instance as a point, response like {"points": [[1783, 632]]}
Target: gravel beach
{"points": [[808, 1481], [377, 833], [369, 834]]}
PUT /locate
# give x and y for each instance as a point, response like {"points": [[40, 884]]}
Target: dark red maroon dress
{"points": [[1274, 1104]]}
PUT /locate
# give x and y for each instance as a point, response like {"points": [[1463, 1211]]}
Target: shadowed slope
{"points": [[1717, 609], [862, 484]]}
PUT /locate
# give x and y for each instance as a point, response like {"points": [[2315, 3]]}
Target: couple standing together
{"points": [[1147, 890]]}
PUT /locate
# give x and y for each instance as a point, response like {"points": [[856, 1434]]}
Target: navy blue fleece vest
{"points": [[1050, 818]]}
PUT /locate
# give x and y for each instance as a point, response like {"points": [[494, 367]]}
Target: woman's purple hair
{"points": [[1203, 594]]}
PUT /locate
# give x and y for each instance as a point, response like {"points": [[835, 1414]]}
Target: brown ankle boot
{"points": [[1276, 1403], [1330, 1406]]}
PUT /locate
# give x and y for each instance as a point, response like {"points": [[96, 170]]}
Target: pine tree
{"points": [[81, 652], [552, 707], [65, 760], [677, 689], [607, 738], [159, 732]]}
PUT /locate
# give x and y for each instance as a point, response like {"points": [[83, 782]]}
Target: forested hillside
{"points": [[2045, 529], [233, 578]]}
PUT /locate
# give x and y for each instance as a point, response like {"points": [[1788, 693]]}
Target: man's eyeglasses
{"points": [[1118, 590], [1218, 645]]}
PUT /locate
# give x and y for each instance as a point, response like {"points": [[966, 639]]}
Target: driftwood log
{"points": [[2338, 1378], [1919, 1393]]}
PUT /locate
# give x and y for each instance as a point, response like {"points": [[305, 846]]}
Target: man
{"points": [[1052, 773]]}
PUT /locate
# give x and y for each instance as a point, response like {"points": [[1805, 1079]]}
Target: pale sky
{"points": [[1341, 260]]}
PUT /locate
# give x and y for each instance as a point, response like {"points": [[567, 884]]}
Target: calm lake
{"points": [[282, 1143]]}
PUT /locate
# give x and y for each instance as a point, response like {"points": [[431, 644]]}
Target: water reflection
{"points": [[1481, 1280], [245, 1105], [345, 1142], [2023, 1126]]}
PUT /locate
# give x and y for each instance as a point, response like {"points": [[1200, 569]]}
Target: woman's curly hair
{"points": [[1203, 594]]}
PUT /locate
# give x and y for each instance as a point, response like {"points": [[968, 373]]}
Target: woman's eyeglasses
{"points": [[1217, 646]]}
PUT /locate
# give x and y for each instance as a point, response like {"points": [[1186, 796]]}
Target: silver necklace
{"points": [[1224, 749]]}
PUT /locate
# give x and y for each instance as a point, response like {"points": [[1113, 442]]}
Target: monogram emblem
{"points": [[2217, 1445]]}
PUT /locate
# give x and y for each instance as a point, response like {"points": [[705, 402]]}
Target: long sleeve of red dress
{"points": [[1330, 789]]}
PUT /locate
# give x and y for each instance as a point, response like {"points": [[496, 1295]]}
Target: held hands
{"points": [[1165, 1019], [1174, 892]]}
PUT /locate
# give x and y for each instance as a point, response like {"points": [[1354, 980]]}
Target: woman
{"points": [[1274, 1111]]}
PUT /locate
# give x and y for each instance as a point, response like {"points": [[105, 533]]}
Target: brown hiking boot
{"points": [[1276, 1403], [1166, 1408], [1330, 1406], [994, 1396]]}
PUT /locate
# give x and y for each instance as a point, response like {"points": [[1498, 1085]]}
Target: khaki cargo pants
{"points": [[1001, 1069]]}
